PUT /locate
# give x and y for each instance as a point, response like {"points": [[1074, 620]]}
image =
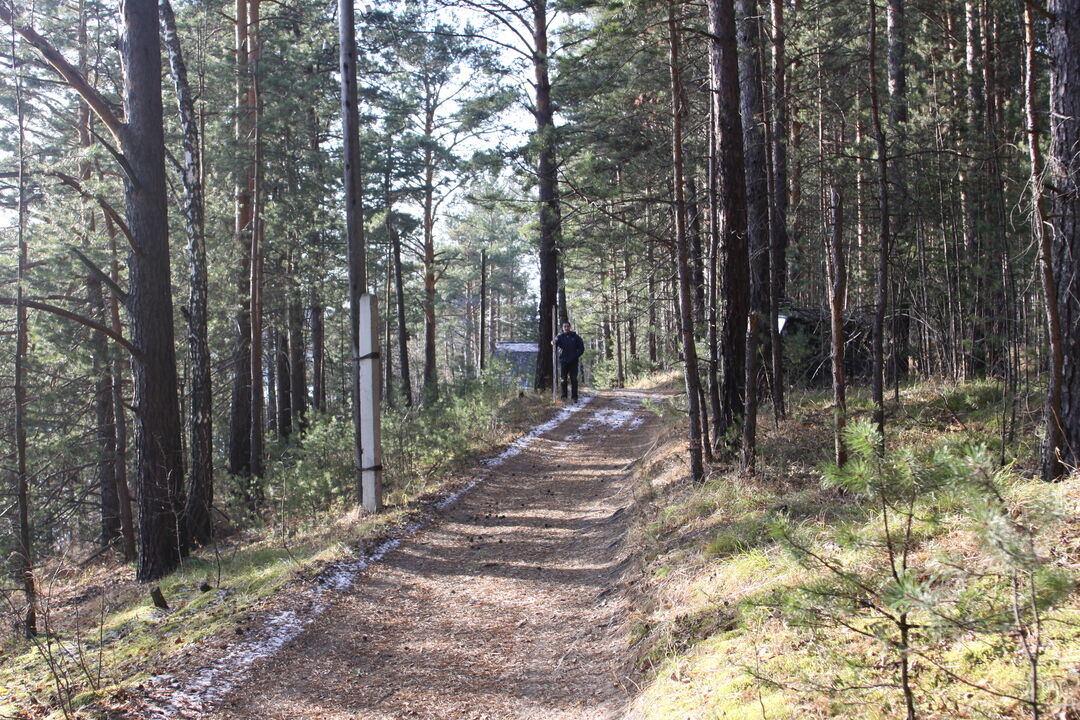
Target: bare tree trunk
{"points": [[402, 328], [483, 307], [877, 387], [157, 411], [757, 218], [1064, 171], [200, 497], [318, 355], [24, 559], [123, 492], [283, 375], [837, 267], [682, 243], [778, 235], [240, 407], [255, 289], [547, 177], [297, 369], [431, 374], [1052, 467], [731, 191]]}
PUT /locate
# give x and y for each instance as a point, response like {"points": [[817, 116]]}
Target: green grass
{"points": [[730, 620]]}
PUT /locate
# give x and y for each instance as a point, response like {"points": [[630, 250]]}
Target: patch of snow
{"points": [[609, 419], [524, 441]]}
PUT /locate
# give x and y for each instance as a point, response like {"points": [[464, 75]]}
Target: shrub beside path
{"points": [[507, 607]]}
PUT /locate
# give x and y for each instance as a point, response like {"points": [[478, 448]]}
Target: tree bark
{"points": [[778, 234], [402, 326], [240, 406], [757, 217], [682, 244], [877, 370], [297, 366], [200, 496], [547, 177], [255, 284], [24, 559], [1064, 171], [159, 454], [283, 375], [318, 355], [837, 267], [731, 191], [1052, 467]]}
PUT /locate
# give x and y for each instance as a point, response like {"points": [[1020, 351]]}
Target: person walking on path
{"points": [[571, 347]]}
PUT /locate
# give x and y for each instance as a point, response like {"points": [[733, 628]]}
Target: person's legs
{"points": [[563, 373]]}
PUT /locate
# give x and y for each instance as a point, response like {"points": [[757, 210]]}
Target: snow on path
{"points": [[173, 698], [610, 419], [524, 441]]}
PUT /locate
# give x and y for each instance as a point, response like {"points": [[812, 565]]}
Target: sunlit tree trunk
{"points": [[682, 245]]}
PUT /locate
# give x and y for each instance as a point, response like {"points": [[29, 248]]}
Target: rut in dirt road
{"points": [[507, 607]]}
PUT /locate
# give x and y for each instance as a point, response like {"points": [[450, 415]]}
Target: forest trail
{"points": [[505, 607]]}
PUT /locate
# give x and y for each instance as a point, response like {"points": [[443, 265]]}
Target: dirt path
{"points": [[505, 608]]}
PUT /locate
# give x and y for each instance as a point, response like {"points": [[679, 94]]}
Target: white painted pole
{"points": [[370, 405]]}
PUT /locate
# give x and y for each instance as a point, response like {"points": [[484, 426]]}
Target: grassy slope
{"points": [[106, 637], [715, 630]]}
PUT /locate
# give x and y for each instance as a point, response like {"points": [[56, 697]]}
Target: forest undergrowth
{"points": [[935, 582], [102, 635]]}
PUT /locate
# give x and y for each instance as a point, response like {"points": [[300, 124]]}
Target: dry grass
{"points": [[714, 631]]}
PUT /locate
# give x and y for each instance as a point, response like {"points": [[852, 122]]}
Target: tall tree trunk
{"points": [[731, 191], [297, 369], [318, 355], [431, 374], [877, 379], [778, 234], [283, 374], [898, 115], [200, 496], [24, 559], [123, 492], [697, 252], [104, 420], [111, 529], [402, 326], [547, 178], [972, 192], [1064, 50], [255, 287], [159, 453], [240, 406], [1052, 467], [388, 316], [483, 307], [682, 244], [837, 267], [757, 217]]}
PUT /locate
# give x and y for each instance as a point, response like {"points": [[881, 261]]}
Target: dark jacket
{"points": [[570, 345]]}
